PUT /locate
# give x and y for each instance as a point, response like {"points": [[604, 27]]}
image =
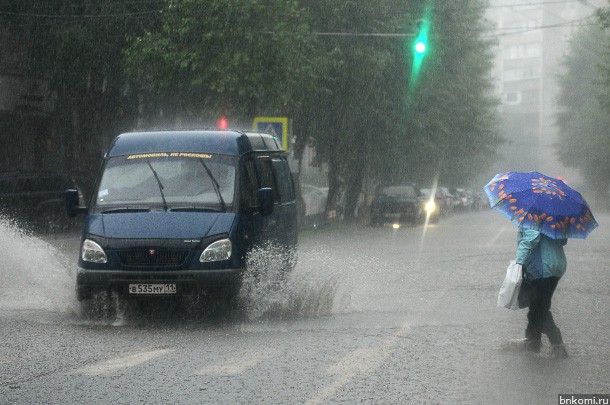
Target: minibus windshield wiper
{"points": [[215, 184], [160, 185], [194, 209], [119, 210]]}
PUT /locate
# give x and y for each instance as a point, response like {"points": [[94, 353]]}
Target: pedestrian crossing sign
{"points": [[276, 126]]}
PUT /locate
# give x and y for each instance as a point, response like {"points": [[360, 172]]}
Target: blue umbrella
{"points": [[535, 201]]}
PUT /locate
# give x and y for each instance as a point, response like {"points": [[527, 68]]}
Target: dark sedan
{"points": [[397, 204], [35, 200]]}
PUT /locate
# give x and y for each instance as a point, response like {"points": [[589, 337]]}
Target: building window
{"points": [[532, 50], [522, 73], [522, 25], [512, 98], [520, 51], [530, 96]]}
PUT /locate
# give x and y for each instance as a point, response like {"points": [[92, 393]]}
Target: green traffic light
{"points": [[421, 42], [420, 47]]}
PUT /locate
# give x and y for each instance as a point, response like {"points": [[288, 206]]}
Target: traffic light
{"points": [[223, 123], [421, 41], [419, 46]]}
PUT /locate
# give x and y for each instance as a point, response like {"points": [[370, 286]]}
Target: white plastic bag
{"points": [[508, 297]]}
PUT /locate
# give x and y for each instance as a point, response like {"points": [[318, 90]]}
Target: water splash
{"points": [[269, 291], [39, 276], [34, 274]]}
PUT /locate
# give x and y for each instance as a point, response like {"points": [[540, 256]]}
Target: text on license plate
{"points": [[152, 288]]}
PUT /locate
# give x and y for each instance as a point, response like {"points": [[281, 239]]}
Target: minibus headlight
{"points": [[92, 252], [217, 251]]}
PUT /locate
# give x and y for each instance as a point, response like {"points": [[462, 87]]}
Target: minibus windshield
{"points": [[176, 181]]}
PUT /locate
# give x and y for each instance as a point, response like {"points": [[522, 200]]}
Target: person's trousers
{"points": [[540, 319]]}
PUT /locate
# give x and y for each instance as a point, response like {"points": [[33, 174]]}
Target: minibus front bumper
{"points": [[175, 282]]}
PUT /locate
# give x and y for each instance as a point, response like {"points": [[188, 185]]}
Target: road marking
{"points": [[364, 360], [237, 365], [359, 361], [495, 238], [112, 365]]}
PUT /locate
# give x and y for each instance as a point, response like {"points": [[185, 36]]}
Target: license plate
{"points": [[152, 288]]}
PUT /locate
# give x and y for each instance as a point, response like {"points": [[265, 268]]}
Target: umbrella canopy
{"points": [[535, 201]]}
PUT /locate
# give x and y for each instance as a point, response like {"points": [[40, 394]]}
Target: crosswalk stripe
{"points": [[237, 364], [112, 365]]}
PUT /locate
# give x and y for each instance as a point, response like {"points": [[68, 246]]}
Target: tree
{"points": [[340, 70], [584, 140], [235, 57], [450, 119], [358, 111], [382, 125], [76, 46], [603, 15]]}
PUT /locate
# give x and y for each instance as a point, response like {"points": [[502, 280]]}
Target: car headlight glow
{"points": [[430, 206], [92, 252], [217, 251]]}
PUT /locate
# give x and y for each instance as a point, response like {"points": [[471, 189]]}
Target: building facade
{"points": [[533, 36]]}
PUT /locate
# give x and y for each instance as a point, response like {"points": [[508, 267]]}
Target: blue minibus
{"points": [[177, 212]]}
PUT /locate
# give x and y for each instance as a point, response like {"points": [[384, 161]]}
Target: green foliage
{"points": [[76, 46], [238, 57], [375, 122], [450, 117], [584, 140], [359, 111], [339, 69], [603, 15]]}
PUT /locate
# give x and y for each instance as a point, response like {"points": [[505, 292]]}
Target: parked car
{"points": [[398, 204], [435, 207], [35, 200], [447, 198], [464, 199], [481, 200]]}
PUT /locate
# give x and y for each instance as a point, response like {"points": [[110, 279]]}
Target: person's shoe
{"points": [[559, 351], [533, 345], [530, 345]]}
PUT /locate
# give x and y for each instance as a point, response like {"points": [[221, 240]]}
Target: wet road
{"points": [[370, 315]]}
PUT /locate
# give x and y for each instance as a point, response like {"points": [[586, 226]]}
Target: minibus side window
{"points": [[268, 177], [281, 171], [250, 184]]}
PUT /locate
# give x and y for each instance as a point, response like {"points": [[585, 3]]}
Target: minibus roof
{"points": [[204, 141]]}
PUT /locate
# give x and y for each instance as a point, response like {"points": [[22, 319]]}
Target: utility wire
{"points": [[537, 4], [74, 16], [546, 10], [572, 23], [131, 14]]}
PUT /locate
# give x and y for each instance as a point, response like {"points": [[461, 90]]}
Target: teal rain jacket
{"points": [[541, 256]]}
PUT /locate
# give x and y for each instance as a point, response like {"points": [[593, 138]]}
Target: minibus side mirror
{"points": [[71, 202], [265, 197]]}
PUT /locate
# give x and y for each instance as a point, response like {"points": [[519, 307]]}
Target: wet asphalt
{"points": [[370, 315]]}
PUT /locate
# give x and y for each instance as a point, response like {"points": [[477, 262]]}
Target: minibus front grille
{"points": [[152, 257]]}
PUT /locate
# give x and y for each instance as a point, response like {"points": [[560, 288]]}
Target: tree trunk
{"points": [[333, 202], [354, 187]]}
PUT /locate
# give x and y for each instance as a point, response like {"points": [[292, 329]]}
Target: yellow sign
{"points": [[276, 126], [171, 154]]}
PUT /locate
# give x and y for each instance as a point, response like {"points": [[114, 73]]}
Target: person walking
{"points": [[544, 263]]}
